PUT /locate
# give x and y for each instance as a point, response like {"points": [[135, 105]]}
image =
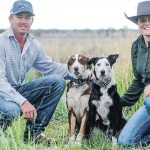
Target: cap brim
{"points": [[23, 11], [134, 19]]}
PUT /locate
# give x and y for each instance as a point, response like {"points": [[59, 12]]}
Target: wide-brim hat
{"points": [[143, 9], [21, 6]]}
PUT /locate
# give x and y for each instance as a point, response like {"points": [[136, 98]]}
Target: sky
{"points": [[76, 14]]}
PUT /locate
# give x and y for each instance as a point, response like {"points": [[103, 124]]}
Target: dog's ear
{"points": [[71, 59], [112, 58], [93, 61]]}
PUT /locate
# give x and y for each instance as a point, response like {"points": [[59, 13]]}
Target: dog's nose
{"points": [[76, 69], [102, 72]]}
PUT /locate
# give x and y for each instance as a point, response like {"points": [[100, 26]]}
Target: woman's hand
{"points": [[147, 91]]}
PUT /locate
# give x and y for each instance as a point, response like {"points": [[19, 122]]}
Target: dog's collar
{"points": [[79, 82], [101, 83]]}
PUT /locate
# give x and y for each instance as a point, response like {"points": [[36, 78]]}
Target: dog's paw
{"points": [[72, 140], [78, 143], [114, 141], [79, 137]]}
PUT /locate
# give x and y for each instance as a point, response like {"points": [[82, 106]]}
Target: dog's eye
{"points": [[71, 61], [82, 60], [98, 64], [107, 64]]}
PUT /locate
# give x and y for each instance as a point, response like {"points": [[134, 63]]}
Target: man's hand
{"points": [[147, 91], [29, 111]]}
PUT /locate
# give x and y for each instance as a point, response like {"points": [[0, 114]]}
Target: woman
{"points": [[137, 130]]}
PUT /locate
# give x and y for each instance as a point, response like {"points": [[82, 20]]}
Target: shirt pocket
{"points": [[28, 61]]}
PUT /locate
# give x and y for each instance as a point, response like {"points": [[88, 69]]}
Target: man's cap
{"points": [[21, 6]]}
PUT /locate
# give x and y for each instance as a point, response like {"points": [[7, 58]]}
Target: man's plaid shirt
{"points": [[14, 64]]}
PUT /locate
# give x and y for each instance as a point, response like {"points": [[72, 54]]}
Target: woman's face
{"points": [[144, 25]]}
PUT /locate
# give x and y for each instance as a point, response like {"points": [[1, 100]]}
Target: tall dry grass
{"points": [[60, 45]]}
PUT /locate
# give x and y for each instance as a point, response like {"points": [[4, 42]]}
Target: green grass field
{"points": [[57, 131], [60, 46]]}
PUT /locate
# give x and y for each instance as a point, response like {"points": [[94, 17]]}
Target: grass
{"points": [[58, 132], [61, 46]]}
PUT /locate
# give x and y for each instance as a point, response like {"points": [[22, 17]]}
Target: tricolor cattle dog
{"points": [[105, 110], [77, 97]]}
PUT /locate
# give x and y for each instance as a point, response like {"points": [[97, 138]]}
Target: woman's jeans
{"points": [[44, 93], [137, 130]]}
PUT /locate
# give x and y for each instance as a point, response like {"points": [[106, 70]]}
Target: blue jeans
{"points": [[137, 130], [44, 93]]}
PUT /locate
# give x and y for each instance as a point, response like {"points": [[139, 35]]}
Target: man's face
{"points": [[21, 23]]}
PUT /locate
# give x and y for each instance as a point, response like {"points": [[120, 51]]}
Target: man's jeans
{"points": [[44, 93], [137, 130]]}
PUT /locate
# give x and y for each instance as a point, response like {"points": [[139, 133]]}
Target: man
{"points": [[19, 51]]}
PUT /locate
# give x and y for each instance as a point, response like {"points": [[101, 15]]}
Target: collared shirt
{"points": [[140, 55], [14, 64], [141, 59]]}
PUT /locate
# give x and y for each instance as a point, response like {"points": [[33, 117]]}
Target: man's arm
{"points": [[6, 90], [47, 66], [10, 94]]}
